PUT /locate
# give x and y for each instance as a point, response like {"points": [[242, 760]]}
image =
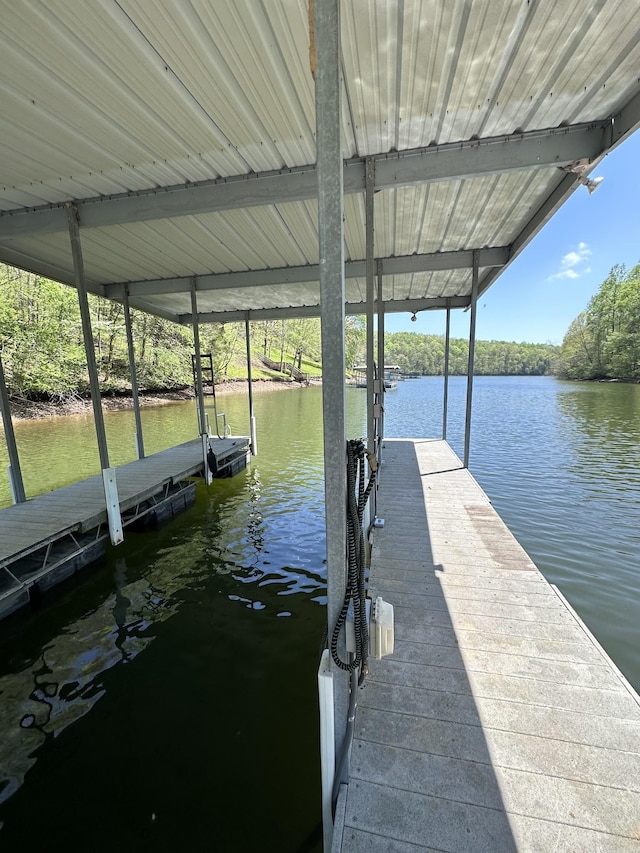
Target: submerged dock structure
{"points": [[499, 723], [325, 159]]}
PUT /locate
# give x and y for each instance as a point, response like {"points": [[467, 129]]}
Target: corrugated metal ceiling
{"points": [[188, 99]]}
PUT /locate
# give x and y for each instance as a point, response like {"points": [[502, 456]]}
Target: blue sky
{"points": [[552, 280]]}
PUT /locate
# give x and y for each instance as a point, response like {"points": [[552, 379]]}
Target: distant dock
{"points": [[50, 537], [499, 724]]}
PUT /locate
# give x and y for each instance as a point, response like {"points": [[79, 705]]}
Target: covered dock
{"points": [[244, 162]]}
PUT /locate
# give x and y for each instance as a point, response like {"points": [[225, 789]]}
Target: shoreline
{"points": [[23, 409]]}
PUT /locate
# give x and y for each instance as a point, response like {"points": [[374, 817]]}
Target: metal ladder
{"points": [[208, 395]]}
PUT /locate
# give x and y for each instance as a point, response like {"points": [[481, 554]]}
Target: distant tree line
{"points": [[603, 342], [424, 354], [43, 351]]}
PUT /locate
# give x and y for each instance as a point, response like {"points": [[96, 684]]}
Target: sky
{"points": [[554, 278]]}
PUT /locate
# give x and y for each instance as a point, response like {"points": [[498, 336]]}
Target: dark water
{"points": [[169, 701]]}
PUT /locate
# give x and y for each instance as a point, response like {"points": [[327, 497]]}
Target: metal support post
{"points": [[132, 374], [370, 276], [15, 474], [472, 347], [87, 334], [445, 394], [204, 435], [332, 299], [369, 511], [380, 307], [252, 419]]}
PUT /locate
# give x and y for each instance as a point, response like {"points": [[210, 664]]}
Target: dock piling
{"points": [[326, 21], [252, 419], [87, 332], [133, 375], [13, 470], [472, 346]]}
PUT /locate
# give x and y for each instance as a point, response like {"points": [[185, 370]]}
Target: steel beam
{"points": [[45, 269], [567, 184], [626, 122], [381, 391], [496, 256], [331, 254], [87, 333], [370, 270], [453, 161], [351, 308], [133, 377], [472, 347], [445, 392], [149, 308], [252, 418], [15, 474], [619, 128], [65, 276], [196, 344]]}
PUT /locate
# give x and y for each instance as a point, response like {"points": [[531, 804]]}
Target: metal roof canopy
{"points": [[184, 133]]}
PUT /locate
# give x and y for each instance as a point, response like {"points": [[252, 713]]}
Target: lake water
{"points": [[168, 702]]}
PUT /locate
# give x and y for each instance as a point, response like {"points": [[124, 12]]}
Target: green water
{"points": [[168, 701]]}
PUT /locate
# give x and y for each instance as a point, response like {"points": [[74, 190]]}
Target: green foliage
{"points": [[354, 338], [43, 350], [604, 341], [424, 354]]}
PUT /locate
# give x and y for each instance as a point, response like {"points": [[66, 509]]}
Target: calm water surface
{"points": [[169, 701], [560, 461]]}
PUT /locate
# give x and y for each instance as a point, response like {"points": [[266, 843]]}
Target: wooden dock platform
{"points": [[499, 724], [73, 519]]}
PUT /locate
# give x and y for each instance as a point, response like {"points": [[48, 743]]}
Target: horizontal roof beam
{"points": [[351, 308], [436, 261], [621, 126], [45, 269], [64, 276], [527, 150]]}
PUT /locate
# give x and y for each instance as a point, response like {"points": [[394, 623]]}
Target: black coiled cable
{"points": [[355, 590]]}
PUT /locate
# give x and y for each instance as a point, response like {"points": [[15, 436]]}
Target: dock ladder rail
{"points": [[209, 396]]}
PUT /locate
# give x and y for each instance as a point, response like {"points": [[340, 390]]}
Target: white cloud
{"points": [[571, 264], [570, 260]]}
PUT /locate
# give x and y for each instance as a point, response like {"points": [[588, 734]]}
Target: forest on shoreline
{"points": [[603, 342], [44, 361]]}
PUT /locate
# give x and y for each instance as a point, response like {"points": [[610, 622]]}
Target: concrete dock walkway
{"points": [[499, 724]]}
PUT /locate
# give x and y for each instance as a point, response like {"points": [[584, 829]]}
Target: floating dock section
{"points": [[499, 724], [50, 537]]}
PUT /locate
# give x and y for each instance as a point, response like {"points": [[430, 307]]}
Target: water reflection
{"points": [[598, 418], [206, 629]]}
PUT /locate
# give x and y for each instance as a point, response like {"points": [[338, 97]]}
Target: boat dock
{"points": [[499, 723], [50, 537]]}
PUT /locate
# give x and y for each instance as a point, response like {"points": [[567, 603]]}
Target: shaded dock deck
{"points": [[73, 519], [499, 724]]}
